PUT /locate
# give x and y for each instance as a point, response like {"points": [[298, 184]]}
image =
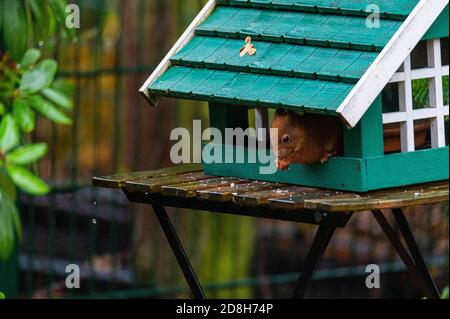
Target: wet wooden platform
{"points": [[187, 186]]}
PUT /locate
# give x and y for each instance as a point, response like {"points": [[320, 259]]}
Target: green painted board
{"points": [[366, 138], [219, 17], [440, 27], [392, 9], [242, 82], [330, 96], [359, 67], [342, 173], [216, 81], [192, 80], [259, 88], [408, 168], [338, 173], [312, 28], [192, 44], [251, 89], [204, 49], [171, 77], [285, 87], [304, 93], [285, 24], [277, 58]]}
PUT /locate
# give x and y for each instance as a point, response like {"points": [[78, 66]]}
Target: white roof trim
{"points": [[181, 43], [389, 60]]}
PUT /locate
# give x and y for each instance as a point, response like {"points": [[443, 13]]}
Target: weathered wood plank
{"points": [[190, 189], [394, 200], [226, 193], [119, 180], [153, 185], [188, 181], [297, 201], [262, 197], [440, 185]]}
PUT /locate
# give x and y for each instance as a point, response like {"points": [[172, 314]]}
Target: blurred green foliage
{"points": [[27, 89], [444, 294], [421, 92]]}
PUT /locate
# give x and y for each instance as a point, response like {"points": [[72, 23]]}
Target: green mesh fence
{"points": [[118, 246]]}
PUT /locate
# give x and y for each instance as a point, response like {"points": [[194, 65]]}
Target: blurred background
{"points": [[119, 246]]}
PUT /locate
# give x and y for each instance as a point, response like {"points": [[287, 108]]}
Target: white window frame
{"points": [[437, 110]]}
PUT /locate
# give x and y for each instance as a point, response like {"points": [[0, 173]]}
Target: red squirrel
{"points": [[306, 139]]}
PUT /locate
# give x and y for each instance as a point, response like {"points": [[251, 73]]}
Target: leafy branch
{"points": [[27, 90]]}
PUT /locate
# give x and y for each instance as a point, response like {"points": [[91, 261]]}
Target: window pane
{"points": [[446, 131], [445, 89], [419, 57], [444, 51], [422, 134], [421, 93], [390, 98]]}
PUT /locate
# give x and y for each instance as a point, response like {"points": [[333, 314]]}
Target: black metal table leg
{"points": [[179, 252], [404, 254], [414, 250], [318, 247]]}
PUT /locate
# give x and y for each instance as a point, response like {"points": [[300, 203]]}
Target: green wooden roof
{"points": [[310, 53]]}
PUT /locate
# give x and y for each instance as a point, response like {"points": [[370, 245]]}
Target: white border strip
{"points": [[389, 60], [182, 41], [417, 74]]}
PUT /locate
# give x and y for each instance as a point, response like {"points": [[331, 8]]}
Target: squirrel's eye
{"points": [[286, 139]]}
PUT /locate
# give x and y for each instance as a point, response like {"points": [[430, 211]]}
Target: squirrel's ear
{"points": [[281, 112]]}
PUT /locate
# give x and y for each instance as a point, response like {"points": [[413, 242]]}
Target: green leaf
{"points": [[24, 115], [1, 21], [26, 180], [14, 28], [2, 295], [6, 229], [59, 9], [9, 133], [30, 58], [48, 110], [444, 294], [58, 98], [27, 154], [39, 78], [10, 226], [2, 108], [42, 19], [7, 186], [64, 87]]}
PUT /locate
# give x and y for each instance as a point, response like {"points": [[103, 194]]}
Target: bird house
{"points": [[380, 66]]}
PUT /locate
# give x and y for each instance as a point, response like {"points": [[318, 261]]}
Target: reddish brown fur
{"points": [[312, 138]]}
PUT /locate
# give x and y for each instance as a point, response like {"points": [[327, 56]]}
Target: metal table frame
{"points": [[327, 222]]}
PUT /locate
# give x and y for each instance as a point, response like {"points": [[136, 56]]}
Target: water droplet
{"points": [[95, 203], [94, 221]]}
